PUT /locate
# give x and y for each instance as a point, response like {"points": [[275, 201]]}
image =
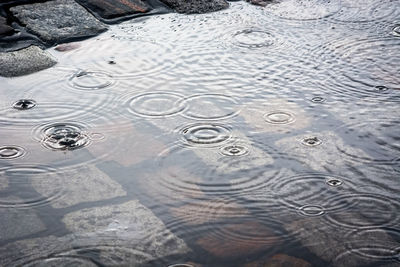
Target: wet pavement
{"points": [[253, 135]]}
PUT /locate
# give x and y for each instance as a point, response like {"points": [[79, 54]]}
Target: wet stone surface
{"points": [[57, 21], [4, 28], [25, 61], [196, 6]]}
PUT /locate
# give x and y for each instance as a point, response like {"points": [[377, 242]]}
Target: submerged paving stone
{"points": [[16, 223], [109, 9], [239, 240], [82, 184], [196, 6], [279, 260], [4, 28], [57, 21], [25, 61]]}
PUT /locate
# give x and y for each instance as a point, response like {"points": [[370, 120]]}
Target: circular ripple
{"points": [[279, 117], [252, 38], [318, 99], [156, 104], [334, 182], [304, 9], [205, 134], [396, 31], [91, 80], [367, 210], [63, 136], [20, 180], [62, 261], [211, 107], [311, 141], [310, 190], [24, 104], [311, 210], [376, 243], [234, 150], [11, 152]]}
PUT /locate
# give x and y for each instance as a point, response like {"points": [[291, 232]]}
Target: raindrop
{"points": [[279, 117], [311, 141], [205, 134], [234, 150], [91, 80], [318, 99], [381, 88], [64, 136], [11, 152], [311, 210], [396, 31], [251, 38], [334, 182], [23, 104]]}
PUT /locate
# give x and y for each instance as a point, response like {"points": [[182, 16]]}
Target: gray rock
{"points": [[57, 21], [196, 6], [4, 28], [25, 61]]}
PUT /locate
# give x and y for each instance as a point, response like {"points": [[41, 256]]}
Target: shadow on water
{"points": [[253, 136]]}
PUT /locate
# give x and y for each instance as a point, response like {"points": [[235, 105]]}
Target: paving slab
{"points": [[58, 21], [109, 9], [4, 28], [196, 6], [25, 61]]}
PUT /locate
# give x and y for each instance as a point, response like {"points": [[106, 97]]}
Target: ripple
{"points": [[334, 182], [62, 136], [311, 190], [376, 243], [234, 150], [253, 38], [62, 261], [156, 104], [20, 179], [11, 152], [211, 107], [367, 210], [311, 210], [205, 134], [318, 99], [396, 31], [311, 141], [91, 80], [24, 104], [304, 9], [279, 117]]}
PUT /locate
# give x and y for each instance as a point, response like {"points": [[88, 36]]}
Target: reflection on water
{"points": [[246, 137]]}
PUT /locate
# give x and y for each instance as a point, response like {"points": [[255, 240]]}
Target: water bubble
{"points": [[64, 136], [11, 152], [234, 150], [311, 141], [23, 104], [311, 210], [318, 99], [279, 117], [334, 182], [205, 134], [252, 38], [156, 104], [91, 80]]}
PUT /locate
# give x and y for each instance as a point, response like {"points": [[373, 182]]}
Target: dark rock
{"points": [[109, 9], [259, 2], [4, 28], [279, 260], [196, 6], [25, 61], [57, 21]]}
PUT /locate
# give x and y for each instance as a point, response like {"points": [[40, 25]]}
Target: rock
{"points": [[16, 223], [279, 260], [25, 61], [67, 47], [196, 6], [109, 9], [259, 2], [58, 21], [239, 240], [4, 28], [82, 184]]}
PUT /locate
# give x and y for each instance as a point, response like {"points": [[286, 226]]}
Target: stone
{"points": [[67, 47], [4, 28], [239, 240], [25, 61], [196, 6], [279, 260], [109, 9], [17, 223], [82, 184], [259, 2], [58, 21]]}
